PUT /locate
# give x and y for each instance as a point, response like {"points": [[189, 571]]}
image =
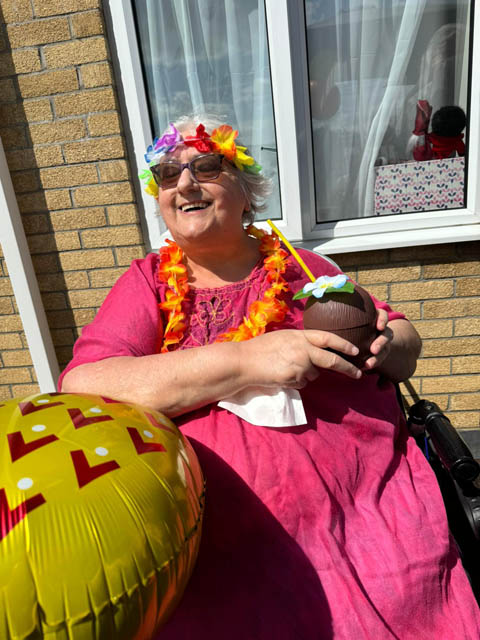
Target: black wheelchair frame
{"points": [[458, 475]]}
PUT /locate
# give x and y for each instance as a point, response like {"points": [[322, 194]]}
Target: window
{"points": [[368, 68], [326, 93], [211, 56]]}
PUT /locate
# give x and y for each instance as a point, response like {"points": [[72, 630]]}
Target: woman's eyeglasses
{"points": [[203, 168]]}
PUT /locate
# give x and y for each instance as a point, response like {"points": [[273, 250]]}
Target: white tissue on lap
{"points": [[266, 407]]}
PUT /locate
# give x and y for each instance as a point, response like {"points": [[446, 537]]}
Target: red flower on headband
{"points": [[201, 141]]}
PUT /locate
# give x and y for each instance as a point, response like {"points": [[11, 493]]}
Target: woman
{"points": [[330, 529]]}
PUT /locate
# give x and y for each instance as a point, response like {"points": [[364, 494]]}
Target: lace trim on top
{"points": [[212, 311]]}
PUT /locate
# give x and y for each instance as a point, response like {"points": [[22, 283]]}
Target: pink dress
{"points": [[334, 529]]}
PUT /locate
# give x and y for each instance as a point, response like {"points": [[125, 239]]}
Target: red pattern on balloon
{"points": [[79, 420], [141, 446], [20, 448], [154, 422], [86, 472], [11, 517], [110, 400], [28, 407]]}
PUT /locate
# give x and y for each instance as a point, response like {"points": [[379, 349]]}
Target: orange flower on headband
{"points": [[223, 139]]}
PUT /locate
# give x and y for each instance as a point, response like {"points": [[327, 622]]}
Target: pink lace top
{"points": [[334, 529]]}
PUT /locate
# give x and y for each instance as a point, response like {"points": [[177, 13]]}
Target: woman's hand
{"points": [[292, 358], [395, 350], [381, 346]]}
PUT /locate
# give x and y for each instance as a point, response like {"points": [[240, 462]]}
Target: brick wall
{"points": [[62, 135], [438, 288], [17, 375], [62, 132]]}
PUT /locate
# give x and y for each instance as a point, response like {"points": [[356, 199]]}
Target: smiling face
{"points": [[202, 212]]}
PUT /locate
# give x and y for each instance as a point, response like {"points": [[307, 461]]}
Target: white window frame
{"points": [[289, 72]]}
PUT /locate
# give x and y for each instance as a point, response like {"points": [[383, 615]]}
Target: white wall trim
{"points": [[24, 283]]}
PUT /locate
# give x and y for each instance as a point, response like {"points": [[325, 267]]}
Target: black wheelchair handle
{"points": [[449, 445]]}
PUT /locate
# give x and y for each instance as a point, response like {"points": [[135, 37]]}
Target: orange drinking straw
{"points": [[292, 251]]}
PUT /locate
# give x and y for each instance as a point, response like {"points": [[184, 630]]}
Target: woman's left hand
{"points": [[381, 346]]}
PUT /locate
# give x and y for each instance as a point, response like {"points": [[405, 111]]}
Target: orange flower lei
{"points": [[173, 272]]}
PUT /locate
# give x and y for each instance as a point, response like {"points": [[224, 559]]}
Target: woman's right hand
{"points": [[293, 358]]}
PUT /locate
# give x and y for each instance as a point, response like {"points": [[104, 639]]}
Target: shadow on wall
{"points": [[63, 138], [26, 160]]}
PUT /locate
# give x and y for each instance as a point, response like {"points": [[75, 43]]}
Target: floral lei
{"points": [[221, 140], [173, 272]]}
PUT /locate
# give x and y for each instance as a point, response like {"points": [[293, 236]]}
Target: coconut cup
{"points": [[351, 316]]}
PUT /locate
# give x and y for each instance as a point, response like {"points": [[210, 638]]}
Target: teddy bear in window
{"points": [[445, 140]]}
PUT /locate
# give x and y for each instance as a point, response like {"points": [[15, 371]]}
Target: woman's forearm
{"points": [[177, 382], [173, 383], [405, 348]]}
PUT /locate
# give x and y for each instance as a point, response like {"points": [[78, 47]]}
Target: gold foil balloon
{"points": [[101, 505]]}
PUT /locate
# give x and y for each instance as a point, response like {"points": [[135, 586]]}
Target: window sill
{"points": [[388, 240]]}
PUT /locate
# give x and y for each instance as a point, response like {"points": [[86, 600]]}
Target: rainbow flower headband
{"points": [[221, 140]]}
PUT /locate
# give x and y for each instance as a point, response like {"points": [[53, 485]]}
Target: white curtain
{"points": [[392, 94], [370, 61], [211, 56]]}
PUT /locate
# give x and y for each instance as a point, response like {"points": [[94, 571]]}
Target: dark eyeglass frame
{"points": [[173, 180]]}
